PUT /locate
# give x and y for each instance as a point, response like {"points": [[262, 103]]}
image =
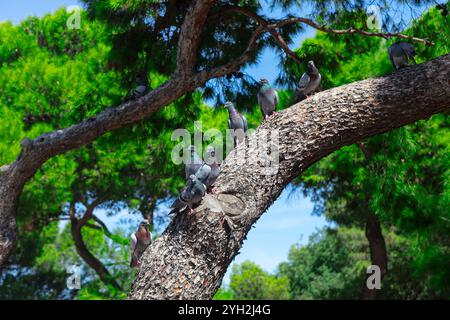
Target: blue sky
{"points": [[288, 220]]}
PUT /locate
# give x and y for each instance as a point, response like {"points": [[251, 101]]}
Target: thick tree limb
{"points": [[189, 260], [190, 36]]}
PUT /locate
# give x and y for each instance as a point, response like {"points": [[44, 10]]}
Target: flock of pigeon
{"points": [[201, 174]]}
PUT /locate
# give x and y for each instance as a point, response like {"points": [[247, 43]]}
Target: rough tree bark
{"points": [[189, 260]]}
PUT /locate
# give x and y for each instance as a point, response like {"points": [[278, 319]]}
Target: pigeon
{"points": [[267, 99], [309, 82], [141, 88], [140, 240], [236, 122], [191, 194], [203, 173], [400, 53], [211, 161], [193, 164]]}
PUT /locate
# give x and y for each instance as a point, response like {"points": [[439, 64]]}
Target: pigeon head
{"points": [[311, 67], [193, 178], [141, 78], [144, 224], [263, 81], [229, 105]]}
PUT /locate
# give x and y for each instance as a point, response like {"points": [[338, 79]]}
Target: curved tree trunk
{"points": [[189, 260], [378, 253], [374, 235], [9, 199], [75, 227], [89, 258]]}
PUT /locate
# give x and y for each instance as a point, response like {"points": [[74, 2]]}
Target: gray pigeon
{"points": [[193, 163], [191, 195], [141, 88], [309, 82], [400, 53], [139, 241], [203, 173], [267, 99], [236, 122], [211, 161]]}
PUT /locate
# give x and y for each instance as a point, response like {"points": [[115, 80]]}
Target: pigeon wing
{"points": [[133, 242], [203, 173], [275, 98], [304, 81], [245, 123]]}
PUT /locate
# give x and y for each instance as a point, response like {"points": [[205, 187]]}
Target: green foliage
{"points": [[402, 176], [404, 179], [249, 281], [223, 294], [333, 264], [60, 78]]}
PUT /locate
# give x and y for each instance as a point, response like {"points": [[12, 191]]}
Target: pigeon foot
{"points": [[214, 191]]}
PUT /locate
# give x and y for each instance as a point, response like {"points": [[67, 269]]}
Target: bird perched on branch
{"points": [[211, 161], [309, 82], [139, 241], [192, 194], [237, 123], [401, 53], [267, 99], [141, 88], [194, 162]]}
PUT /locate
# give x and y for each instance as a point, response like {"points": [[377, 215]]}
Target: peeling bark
{"points": [[191, 257]]}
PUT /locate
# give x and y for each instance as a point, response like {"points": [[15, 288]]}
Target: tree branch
{"points": [[189, 260], [272, 29], [82, 249], [234, 64], [190, 36], [263, 23], [352, 30]]}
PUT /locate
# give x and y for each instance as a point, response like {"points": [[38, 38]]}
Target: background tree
{"points": [[249, 281]]}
